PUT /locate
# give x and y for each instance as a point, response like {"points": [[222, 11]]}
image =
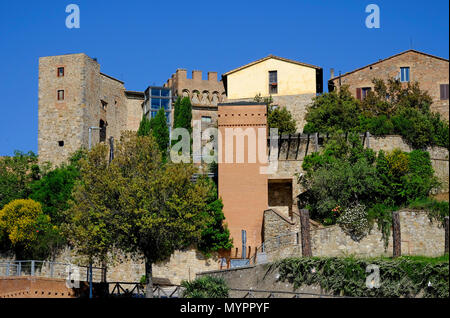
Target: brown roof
{"points": [[270, 57], [390, 57]]}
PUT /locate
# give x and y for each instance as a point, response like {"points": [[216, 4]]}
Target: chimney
{"points": [[197, 75], [331, 73], [212, 76]]}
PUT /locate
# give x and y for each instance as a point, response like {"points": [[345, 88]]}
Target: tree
{"points": [[277, 117], [333, 111], [183, 114], [282, 119], [160, 130], [144, 127], [16, 175], [215, 236], [23, 222], [54, 191], [137, 204]]}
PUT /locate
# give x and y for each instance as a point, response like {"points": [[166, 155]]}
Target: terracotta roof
{"points": [[270, 57], [390, 57]]}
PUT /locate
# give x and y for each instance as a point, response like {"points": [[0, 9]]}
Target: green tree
{"points": [[215, 236], [282, 119], [333, 111], [137, 204], [144, 127], [183, 114], [277, 117], [16, 175], [27, 228], [160, 130]]}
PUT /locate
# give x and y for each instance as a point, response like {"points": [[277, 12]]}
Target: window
{"points": [[61, 143], [404, 74], [444, 91], [361, 92], [60, 72], [61, 95], [206, 119], [365, 91], [102, 131], [104, 104], [273, 82]]}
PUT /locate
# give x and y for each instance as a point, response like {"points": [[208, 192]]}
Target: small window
{"points": [[404, 74], [60, 72], [273, 82], [365, 91], [206, 119], [61, 143], [104, 104], [61, 95], [444, 91]]}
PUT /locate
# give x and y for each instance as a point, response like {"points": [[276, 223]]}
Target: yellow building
{"points": [[291, 84]]}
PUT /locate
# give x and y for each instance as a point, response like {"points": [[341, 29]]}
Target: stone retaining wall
{"points": [[419, 236]]}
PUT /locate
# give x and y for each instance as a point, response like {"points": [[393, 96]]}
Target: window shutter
{"points": [[358, 93], [444, 91]]}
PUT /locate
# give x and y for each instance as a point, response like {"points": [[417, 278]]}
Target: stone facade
{"points": [[204, 94], [89, 99], [419, 236], [430, 71]]}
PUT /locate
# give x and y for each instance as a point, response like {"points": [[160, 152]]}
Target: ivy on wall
{"points": [[406, 276]]}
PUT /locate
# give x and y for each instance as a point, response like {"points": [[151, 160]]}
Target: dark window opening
{"points": [[102, 131], [61, 143], [444, 91], [60, 72], [273, 82], [61, 95], [365, 91]]}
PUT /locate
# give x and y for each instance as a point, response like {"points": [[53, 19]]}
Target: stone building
{"points": [[204, 94], [432, 73], [75, 96], [290, 83]]}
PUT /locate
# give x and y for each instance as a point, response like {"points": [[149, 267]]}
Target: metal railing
{"points": [[137, 290], [51, 270]]}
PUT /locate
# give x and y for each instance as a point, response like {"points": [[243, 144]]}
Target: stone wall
{"points": [[182, 265], [419, 236], [89, 98], [430, 71]]}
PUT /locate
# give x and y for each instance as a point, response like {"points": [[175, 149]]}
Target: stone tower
{"points": [[73, 96]]}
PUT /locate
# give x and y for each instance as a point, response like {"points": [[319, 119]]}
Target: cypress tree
{"points": [[160, 131], [144, 127]]}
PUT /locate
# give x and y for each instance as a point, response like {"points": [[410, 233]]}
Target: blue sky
{"points": [[144, 42]]}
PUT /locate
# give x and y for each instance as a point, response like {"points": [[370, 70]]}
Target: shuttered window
{"points": [[358, 93], [444, 91]]}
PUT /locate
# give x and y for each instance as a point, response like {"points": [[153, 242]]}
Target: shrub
{"points": [[206, 287], [399, 277], [354, 222]]}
